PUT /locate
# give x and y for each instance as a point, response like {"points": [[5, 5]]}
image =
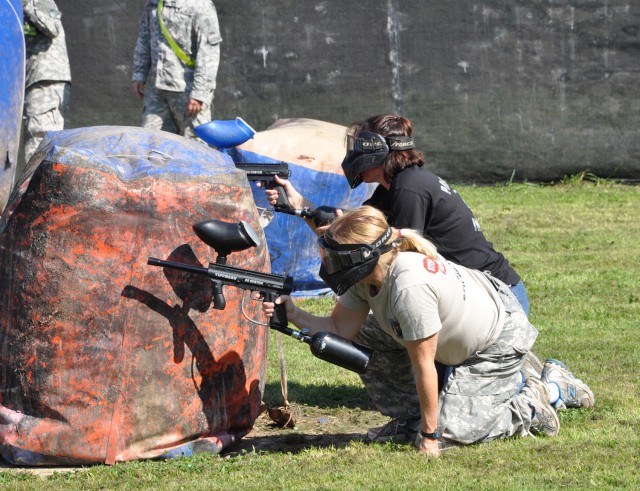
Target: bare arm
{"points": [[422, 354], [342, 321]]}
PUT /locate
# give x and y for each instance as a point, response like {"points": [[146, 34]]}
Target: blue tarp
{"points": [[137, 152], [12, 64]]}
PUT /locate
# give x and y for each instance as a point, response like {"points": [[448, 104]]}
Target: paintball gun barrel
{"points": [[230, 237]]}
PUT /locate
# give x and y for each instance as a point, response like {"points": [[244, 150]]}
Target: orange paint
{"points": [[127, 356]]}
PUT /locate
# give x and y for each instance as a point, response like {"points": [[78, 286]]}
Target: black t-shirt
{"points": [[421, 200]]}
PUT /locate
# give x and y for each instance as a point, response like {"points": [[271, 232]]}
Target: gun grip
{"points": [[282, 200], [219, 302], [279, 317]]}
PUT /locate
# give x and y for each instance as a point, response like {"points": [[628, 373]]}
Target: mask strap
{"points": [[399, 143], [376, 244]]}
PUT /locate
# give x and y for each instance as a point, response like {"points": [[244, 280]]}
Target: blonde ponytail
{"points": [[412, 240], [365, 224]]}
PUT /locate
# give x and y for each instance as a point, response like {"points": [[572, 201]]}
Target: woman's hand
{"points": [[269, 307], [427, 446], [296, 200]]}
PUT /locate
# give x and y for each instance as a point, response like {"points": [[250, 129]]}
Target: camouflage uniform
{"points": [[169, 81], [481, 399], [48, 75]]}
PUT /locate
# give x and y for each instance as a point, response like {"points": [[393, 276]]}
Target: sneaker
{"points": [[573, 391], [545, 420], [532, 366], [396, 430]]}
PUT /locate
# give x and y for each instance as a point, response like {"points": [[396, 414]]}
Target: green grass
{"points": [[576, 247]]}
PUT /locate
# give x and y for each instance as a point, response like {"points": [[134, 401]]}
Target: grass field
{"points": [[576, 247]]}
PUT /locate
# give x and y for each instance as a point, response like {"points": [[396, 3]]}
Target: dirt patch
{"points": [[315, 427]]}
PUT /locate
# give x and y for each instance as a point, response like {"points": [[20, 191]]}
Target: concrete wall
{"points": [[542, 88]]}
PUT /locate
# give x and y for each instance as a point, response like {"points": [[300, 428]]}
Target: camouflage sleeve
{"points": [[142, 51], [44, 16], [208, 52]]}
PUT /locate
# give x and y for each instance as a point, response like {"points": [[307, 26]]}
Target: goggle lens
{"points": [[334, 261]]}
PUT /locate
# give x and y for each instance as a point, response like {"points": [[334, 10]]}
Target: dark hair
{"points": [[391, 125]]}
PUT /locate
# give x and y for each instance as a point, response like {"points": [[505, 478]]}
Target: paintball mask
{"points": [[343, 265], [367, 150]]}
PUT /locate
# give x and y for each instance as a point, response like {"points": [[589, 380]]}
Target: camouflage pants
{"points": [[480, 400], [45, 105], [167, 111]]}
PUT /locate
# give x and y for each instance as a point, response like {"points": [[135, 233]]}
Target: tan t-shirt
{"points": [[420, 297]]}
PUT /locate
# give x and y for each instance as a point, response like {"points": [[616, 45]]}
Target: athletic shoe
{"points": [[573, 391], [532, 366], [545, 420], [396, 430]]}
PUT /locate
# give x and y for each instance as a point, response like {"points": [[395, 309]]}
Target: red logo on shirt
{"points": [[430, 265]]}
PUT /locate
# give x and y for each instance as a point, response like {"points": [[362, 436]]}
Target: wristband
{"points": [[431, 436]]}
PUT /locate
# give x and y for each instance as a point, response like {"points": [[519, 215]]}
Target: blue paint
{"points": [[12, 64]]}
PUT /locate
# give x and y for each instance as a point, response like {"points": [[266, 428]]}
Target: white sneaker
{"points": [[573, 391], [545, 420]]}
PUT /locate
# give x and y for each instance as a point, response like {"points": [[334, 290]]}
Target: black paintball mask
{"points": [[343, 265], [367, 150]]}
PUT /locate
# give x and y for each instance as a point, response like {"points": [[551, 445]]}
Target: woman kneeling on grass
{"points": [[435, 310]]}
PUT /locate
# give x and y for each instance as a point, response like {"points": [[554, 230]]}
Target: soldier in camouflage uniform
{"points": [[429, 309], [48, 75], [175, 64]]}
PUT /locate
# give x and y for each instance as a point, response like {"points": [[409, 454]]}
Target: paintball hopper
{"points": [[225, 237], [225, 134]]}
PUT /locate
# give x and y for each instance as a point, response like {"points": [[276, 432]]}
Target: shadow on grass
{"points": [[292, 443], [322, 396]]}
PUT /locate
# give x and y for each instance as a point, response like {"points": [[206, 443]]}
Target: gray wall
{"points": [[543, 88]]}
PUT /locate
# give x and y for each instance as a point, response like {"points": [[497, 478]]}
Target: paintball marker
{"points": [[226, 134], [226, 238], [265, 174]]}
